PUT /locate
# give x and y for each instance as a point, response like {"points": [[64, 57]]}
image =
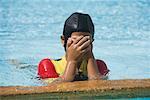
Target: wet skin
{"points": [[79, 48]]}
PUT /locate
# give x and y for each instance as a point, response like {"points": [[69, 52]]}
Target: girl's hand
{"points": [[77, 48]]}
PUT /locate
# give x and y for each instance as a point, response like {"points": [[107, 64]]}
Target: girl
{"points": [[79, 62]]}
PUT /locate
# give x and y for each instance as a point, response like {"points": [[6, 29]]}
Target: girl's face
{"points": [[77, 34]]}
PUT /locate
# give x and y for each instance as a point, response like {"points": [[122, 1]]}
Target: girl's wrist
{"points": [[72, 61], [90, 55]]}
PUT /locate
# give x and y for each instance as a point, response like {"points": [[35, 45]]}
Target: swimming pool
{"points": [[30, 31]]}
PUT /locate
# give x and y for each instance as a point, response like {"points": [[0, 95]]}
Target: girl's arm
{"points": [[74, 54], [92, 68]]}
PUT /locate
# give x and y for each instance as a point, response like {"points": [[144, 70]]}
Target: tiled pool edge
{"points": [[101, 88]]}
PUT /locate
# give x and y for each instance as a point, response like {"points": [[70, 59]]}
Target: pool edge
{"points": [[101, 88]]}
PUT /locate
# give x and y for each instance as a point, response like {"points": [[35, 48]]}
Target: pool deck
{"points": [[100, 88]]}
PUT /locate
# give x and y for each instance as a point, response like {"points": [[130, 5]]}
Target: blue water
{"points": [[30, 31], [132, 99]]}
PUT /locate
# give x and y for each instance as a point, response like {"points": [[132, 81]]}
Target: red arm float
{"points": [[102, 67], [46, 69]]}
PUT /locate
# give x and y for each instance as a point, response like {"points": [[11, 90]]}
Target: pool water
{"points": [[134, 99], [30, 31]]}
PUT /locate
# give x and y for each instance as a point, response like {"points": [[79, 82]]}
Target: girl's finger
{"points": [[69, 42], [85, 45], [75, 41], [85, 50], [84, 39]]}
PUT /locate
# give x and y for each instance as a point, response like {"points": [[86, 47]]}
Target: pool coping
{"points": [[100, 88]]}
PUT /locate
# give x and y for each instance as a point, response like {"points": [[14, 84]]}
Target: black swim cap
{"points": [[78, 22]]}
